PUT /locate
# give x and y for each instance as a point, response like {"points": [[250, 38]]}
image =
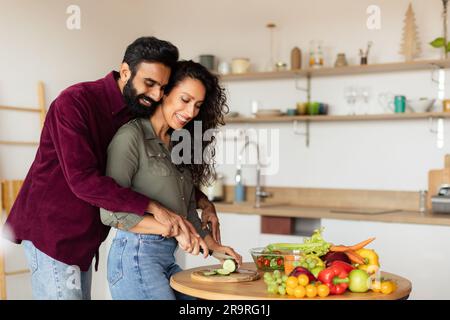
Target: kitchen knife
{"points": [[218, 255]]}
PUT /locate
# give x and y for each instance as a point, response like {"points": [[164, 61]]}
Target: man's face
{"points": [[145, 88]]}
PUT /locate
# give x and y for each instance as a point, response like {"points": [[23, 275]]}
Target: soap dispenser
{"points": [[239, 189]]}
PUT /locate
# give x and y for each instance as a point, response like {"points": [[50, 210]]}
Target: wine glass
{"points": [[350, 94]]}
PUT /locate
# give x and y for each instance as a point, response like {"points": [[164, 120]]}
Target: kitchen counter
{"points": [[297, 211]]}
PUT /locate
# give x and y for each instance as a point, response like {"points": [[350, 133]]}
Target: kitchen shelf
{"points": [[333, 118], [332, 71]]}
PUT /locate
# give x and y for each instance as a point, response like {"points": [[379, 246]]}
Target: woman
{"points": [[141, 260]]}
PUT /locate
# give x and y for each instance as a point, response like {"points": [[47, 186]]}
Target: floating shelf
{"points": [[348, 70], [331, 118]]}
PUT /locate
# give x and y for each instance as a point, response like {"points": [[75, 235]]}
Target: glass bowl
{"points": [[275, 260]]}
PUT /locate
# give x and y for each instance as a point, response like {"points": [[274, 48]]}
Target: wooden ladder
{"points": [[9, 189]]}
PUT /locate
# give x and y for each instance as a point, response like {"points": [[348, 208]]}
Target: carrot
{"points": [[361, 244], [354, 257], [355, 247], [339, 248]]}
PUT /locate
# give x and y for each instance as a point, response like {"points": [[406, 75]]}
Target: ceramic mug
{"points": [[240, 65], [223, 67], [395, 103], [207, 60]]}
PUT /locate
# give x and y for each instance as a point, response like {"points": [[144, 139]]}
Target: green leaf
{"points": [[438, 43], [447, 49]]}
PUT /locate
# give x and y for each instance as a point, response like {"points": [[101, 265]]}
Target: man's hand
{"points": [[192, 247], [174, 223], [209, 218]]}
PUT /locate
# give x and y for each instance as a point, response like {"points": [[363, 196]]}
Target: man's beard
{"points": [[131, 98]]}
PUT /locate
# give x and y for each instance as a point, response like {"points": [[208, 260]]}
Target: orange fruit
{"points": [[311, 291], [291, 282], [299, 292], [290, 291], [303, 280], [387, 287], [323, 291]]}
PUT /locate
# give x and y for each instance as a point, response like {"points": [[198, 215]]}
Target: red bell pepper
{"points": [[344, 265], [335, 277]]}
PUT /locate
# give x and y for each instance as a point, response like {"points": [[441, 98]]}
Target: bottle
{"points": [[422, 201], [312, 55], [296, 59], [239, 190]]}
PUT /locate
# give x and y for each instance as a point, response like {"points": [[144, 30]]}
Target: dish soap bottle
{"points": [[239, 189]]}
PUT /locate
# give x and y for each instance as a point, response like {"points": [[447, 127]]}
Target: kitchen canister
{"points": [[240, 65]]}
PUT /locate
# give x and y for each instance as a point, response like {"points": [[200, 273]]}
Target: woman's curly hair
{"points": [[211, 115]]}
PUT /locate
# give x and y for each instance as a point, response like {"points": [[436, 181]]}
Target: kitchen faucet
{"points": [[259, 193]]}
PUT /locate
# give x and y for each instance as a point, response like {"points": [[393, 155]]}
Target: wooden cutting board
{"points": [[436, 178], [241, 275]]}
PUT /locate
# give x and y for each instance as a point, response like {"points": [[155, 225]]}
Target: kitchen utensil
{"points": [[240, 275], [240, 65], [436, 178], [220, 255], [420, 105]]}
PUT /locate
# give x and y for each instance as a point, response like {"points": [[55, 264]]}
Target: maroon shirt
{"points": [[57, 207]]}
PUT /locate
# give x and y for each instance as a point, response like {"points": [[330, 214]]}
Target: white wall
{"points": [[35, 45]]}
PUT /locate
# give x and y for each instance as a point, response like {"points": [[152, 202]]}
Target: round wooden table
{"points": [[257, 290]]}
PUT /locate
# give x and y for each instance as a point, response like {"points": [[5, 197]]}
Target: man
{"points": [[56, 214]]}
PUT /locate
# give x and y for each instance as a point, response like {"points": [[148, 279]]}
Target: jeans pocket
{"points": [[31, 253], [115, 260]]}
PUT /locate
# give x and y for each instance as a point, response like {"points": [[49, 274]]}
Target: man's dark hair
{"points": [[150, 49]]}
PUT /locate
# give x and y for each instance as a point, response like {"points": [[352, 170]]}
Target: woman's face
{"points": [[183, 102]]}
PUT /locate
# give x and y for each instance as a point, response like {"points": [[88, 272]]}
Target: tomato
{"points": [[387, 287], [290, 291], [323, 290], [292, 282], [266, 263], [280, 261], [311, 291], [299, 292], [303, 280]]}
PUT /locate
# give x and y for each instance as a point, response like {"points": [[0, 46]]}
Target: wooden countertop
{"points": [[256, 290], [298, 211]]}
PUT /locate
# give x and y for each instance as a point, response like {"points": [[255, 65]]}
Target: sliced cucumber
{"points": [[223, 272], [210, 273], [229, 265]]}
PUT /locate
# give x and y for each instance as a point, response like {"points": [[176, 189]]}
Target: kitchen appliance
{"points": [[440, 203]]}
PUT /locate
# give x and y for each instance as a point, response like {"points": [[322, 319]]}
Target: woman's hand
{"points": [[209, 218], [216, 247], [192, 244]]}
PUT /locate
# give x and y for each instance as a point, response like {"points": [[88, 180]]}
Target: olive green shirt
{"points": [[139, 160]]}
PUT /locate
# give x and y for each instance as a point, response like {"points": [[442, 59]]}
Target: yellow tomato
{"points": [[387, 287], [300, 292], [290, 291], [292, 282], [323, 291], [311, 291], [303, 280]]}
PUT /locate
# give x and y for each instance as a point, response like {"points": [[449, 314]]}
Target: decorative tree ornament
{"points": [[410, 47]]}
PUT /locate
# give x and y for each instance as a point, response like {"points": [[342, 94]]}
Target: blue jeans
{"points": [[55, 280], [140, 267]]}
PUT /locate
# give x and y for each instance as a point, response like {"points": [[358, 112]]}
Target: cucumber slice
{"points": [[223, 272], [229, 265], [210, 273]]}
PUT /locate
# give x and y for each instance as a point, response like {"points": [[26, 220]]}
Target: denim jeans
{"points": [[140, 267], [55, 280]]}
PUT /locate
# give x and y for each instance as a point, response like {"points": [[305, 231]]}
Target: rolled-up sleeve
{"points": [[122, 165]]}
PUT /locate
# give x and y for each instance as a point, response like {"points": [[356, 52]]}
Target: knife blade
{"points": [[218, 255]]}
